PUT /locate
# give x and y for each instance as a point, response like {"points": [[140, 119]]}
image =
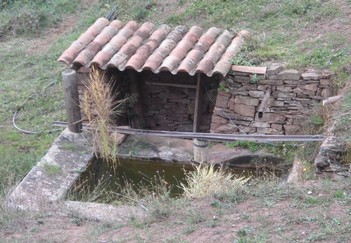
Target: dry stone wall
{"points": [[172, 108], [290, 97]]}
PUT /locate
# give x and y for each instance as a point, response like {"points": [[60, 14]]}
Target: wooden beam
{"points": [[172, 85], [135, 90], [69, 79], [197, 110]]}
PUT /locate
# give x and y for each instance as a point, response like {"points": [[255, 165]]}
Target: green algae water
{"points": [[101, 182]]}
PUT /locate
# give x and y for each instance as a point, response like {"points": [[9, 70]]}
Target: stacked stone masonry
{"points": [[165, 107], [172, 108], [293, 95]]}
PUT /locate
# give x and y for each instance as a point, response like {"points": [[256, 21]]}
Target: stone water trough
{"points": [[46, 185]]}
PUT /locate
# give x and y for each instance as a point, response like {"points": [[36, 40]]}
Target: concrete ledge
{"points": [[54, 174]]}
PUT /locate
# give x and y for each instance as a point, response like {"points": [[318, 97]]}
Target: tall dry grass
{"points": [[102, 108], [206, 180]]}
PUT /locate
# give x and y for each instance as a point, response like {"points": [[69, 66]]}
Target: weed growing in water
{"points": [[206, 180], [153, 195], [100, 106]]}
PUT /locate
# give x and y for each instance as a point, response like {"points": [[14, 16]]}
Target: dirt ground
{"points": [[318, 210], [311, 212]]}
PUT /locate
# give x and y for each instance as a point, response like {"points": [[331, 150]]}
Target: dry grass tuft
{"points": [[206, 180], [101, 108]]}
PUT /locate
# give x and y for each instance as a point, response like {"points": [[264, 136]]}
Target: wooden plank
{"points": [[197, 110], [172, 85], [250, 70], [69, 79]]}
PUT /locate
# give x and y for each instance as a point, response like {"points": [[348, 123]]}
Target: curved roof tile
{"points": [[146, 47]]}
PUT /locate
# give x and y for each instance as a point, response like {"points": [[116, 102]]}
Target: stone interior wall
{"points": [[293, 96], [120, 79], [166, 107], [171, 108]]}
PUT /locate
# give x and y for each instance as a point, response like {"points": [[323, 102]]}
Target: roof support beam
{"points": [[198, 98], [135, 89]]}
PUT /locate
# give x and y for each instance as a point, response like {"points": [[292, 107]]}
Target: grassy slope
{"points": [[283, 31]]}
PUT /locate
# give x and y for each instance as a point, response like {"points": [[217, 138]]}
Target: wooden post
{"points": [[69, 78], [134, 87], [197, 110]]}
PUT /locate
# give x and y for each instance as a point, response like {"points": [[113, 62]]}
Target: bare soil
{"points": [[311, 212]]}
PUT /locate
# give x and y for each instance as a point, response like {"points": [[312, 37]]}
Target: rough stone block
{"points": [[278, 103], [274, 68], [288, 74], [231, 103], [272, 118], [303, 92], [117, 138], [311, 75], [260, 124], [291, 82], [244, 79], [291, 129], [227, 128], [240, 122], [284, 88], [223, 93], [264, 130], [326, 93], [256, 94], [281, 94], [248, 129], [262, 87], [244, 110], [219, 120], [239, 92], [222, 100], [246, 100], [325, 82], [277, 127], [214, 126], [271, 82], [227, 114], [310, 87]]}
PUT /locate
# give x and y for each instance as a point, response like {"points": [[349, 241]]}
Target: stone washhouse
{"points": [[183, 80]]}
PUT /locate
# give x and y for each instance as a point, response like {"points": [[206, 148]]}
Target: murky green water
{"points": [[103, 183]]}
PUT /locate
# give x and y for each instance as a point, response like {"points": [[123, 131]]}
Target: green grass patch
{"points": [[30, 83], [28, 17], [51, 169]]}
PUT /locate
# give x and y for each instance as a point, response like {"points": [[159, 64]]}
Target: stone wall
{"points": [[292, 96], [165, 107], [171, 108]]}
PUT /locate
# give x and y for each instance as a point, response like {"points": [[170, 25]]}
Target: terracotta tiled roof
{"points": [[147, 47]]}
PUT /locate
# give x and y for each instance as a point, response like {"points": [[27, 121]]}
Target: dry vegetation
{"points": [[101, 109]]}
